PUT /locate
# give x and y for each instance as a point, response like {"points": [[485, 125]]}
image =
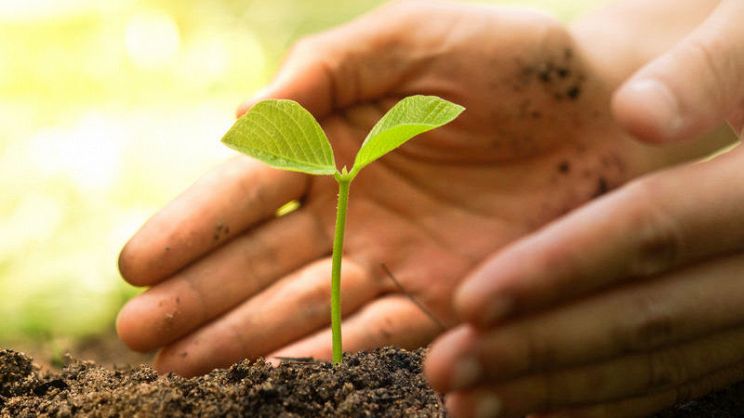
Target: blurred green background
{"points": [[107, 110]]}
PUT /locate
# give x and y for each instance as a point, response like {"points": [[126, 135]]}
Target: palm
{"points": [[535, 142], [430, 215]]}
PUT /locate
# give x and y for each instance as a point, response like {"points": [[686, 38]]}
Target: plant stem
{"points": [[338, 248]]}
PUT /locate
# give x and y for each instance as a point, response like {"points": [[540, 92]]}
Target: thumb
{"points": [[355, 62], [692, 88]]}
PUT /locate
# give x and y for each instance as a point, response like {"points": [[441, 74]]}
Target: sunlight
{"points": [[89, 153], [152, 39], [19, 10]]}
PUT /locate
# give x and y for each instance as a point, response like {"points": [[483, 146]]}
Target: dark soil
{"points": [[384, 383]]}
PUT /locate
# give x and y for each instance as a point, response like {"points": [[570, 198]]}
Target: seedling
{"points": [[284, 135]]}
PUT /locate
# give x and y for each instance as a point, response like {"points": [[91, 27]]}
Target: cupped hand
{"points": [[635, 301], [628, 305], [229, 279]]}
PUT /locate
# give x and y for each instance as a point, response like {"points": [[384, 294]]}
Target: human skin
{"points": [[634, 301], [231, 280]]}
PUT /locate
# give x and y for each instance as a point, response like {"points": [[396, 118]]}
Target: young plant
{"points": [[284, 135]]}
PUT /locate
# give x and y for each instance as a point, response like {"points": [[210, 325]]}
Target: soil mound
{"points": [[384, 383]]}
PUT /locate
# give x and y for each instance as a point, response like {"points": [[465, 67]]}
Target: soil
{"points": [[384, 383]]}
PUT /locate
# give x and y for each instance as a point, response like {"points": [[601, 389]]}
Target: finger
{"points": [[635, 319], [692, 88], [647, 227], [356, 62], [621, 378], [483, 402], [214, 285], [294, 307], [646, 405], [221, 205], [389, 321]]}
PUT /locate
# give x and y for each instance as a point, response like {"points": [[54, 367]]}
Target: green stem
{"points": [[338, 248]]}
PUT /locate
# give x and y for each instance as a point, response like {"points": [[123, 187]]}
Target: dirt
{"points": [[384, 383]]}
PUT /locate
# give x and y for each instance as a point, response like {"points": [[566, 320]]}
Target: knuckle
{"points": [[322, 225], [555, 393], [573, 387], [718, 68], [252, 182], [236, 337], [257, 258], [665, 368], [385, 330], [540, 354], [648, 325], [592, 383], [321, 294], [658, 240]]}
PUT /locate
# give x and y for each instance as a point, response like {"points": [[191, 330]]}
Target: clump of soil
{"points": [[384, 383]]}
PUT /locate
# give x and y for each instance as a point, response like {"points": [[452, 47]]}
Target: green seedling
{"points": [[284, 135]]}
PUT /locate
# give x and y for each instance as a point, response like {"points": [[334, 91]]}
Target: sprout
{"points": [[284, 135]]}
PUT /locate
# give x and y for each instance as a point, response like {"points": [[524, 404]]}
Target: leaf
{"points": [[284, 135], [409, 117]]}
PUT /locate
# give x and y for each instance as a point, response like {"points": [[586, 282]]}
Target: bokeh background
{"points": [[108, 109]]}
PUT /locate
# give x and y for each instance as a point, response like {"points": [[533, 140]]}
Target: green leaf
{"points": [[409, 117], [284, 135]]}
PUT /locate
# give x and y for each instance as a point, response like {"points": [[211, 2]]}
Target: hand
{"points": [[230, 280], [635, 301], [691, 88]]}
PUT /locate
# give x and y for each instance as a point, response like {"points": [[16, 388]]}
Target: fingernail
{"points": [[487, 406], [497, 309], [660, 103], [466, 372]]}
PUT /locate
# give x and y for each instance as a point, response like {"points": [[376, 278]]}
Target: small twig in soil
{"points": [[418, 304]]}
